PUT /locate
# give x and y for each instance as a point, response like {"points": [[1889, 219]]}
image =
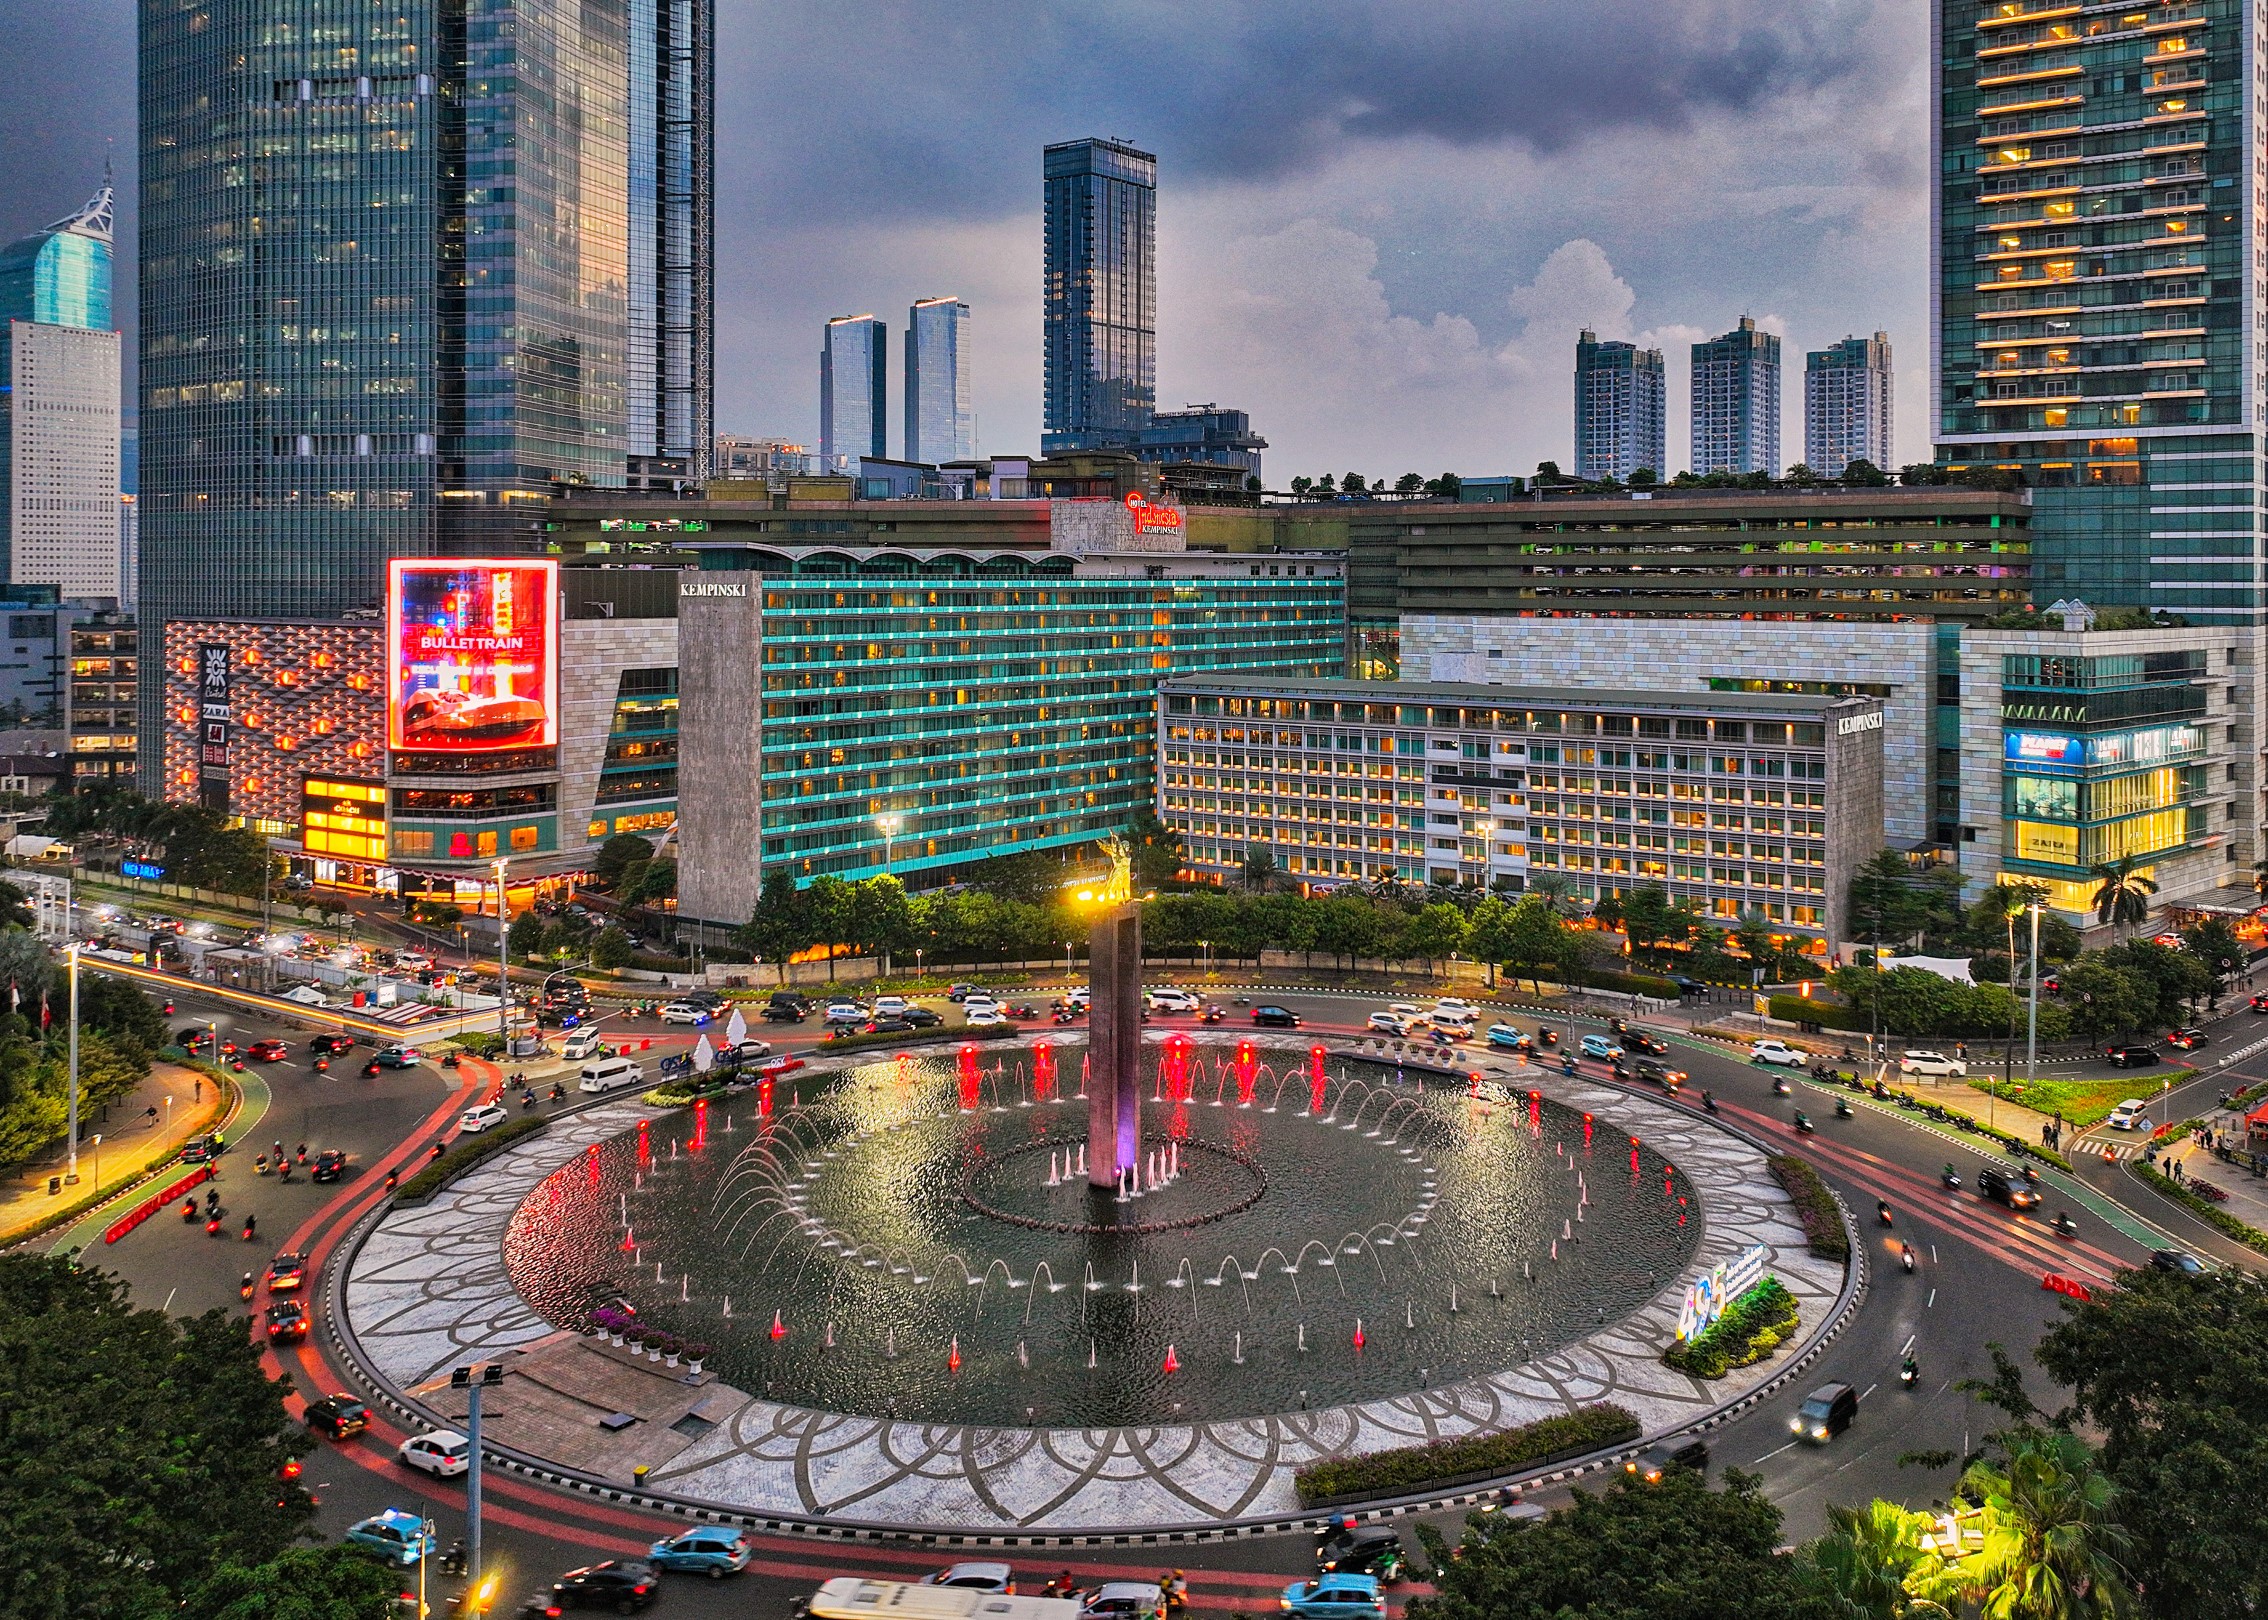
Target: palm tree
{"points": [[2124, 899], [1872, 1564], [1554, 889], [2051, 1541]]}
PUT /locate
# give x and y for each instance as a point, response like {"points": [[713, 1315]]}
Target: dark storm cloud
{"points": [[911, 110]]}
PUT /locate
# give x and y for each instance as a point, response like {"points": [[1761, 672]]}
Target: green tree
{"points": [[2123, 900], [1860, 473], [828, 902], [618, 854], [139, 1453], [648, 883], [1555, 889], [2172, 1371], [2216, 947], [1354, 484], [1671, 1550], [780, 925], [1885, 904], [881, 918], [525, 937], [1753, 934], [26, 969], [1444, 488], [1870, 1564], [2053, 1546], [1534, 938], [611, 948], [1488, 936], [1409, 483], [2174, 977], [1349, 926], [1650, 919], [2106, 1000], [303, 1583], [1258, 868], [121, 1009], [1437, 930]]}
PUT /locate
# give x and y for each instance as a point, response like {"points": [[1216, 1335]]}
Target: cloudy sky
{"points": [[1380, 224]]}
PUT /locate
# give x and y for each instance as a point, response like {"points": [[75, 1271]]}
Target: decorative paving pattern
{"points": [[428, 1289]]}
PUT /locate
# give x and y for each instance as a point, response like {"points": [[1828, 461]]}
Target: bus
{"points": [[849, 1597]]}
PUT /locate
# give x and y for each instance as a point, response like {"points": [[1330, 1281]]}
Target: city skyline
{"points": [[1335, 282]]}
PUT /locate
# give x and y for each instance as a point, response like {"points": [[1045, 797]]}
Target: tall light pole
{"points": [[2032, 1019], [71, 1125], [472, 1380], [889, 821], [503, 963]]}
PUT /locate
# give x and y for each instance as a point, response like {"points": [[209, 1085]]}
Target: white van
{"points": [[851, 1597], [611, 1074], [889, 1006], [1452, 1018], [581, 1044]]}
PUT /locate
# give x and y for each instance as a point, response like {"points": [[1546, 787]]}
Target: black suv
{"points": [[338, 1416], [1644, 1040], [2005, 1186], [326, 1045], [786, 1010], [330, 1165], [2178, 1260], [1658, 1459], [624, 1585], [1361, 1549]]}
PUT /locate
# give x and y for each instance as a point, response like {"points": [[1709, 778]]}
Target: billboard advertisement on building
{"points": [[472, 655]]}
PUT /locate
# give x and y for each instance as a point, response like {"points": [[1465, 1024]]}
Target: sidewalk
{"points": [[133, 1140], [2248, 1194]]}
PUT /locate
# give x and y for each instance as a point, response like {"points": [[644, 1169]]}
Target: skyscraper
{"points": [[470, 265], [853, 391], [1100, 294], [1736, 402], [59, 413], [2097, 296], [1621, 409], [940, 422], [1846, 405]]}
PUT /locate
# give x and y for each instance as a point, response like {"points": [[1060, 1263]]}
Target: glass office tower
{"points": [[1846, 405], [2098, 289], [388, 301], [1621, 409], [854, 395], [1736, 402], [1100, 294], [59, 416], [940, 420]]}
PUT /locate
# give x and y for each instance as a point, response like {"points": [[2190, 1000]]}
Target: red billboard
{"points": [[472, 655]]}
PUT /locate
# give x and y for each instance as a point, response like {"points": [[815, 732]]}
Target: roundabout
{"points": [[927, 1319]]}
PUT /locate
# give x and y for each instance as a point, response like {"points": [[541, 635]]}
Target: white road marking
{"points": [[1869, 1390], [1908, 1345], [1769, 1455], [1932, 1300]]}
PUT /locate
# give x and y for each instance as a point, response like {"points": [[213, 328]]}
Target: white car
{"points": [[1780, 1052], [889, 1006], [684, 1012], [2130, 1115], [1932, 1063], [1173, 999], [846, 1012], [1390, 1023], [1450, 1009], [474, 1120], [412, 962], [975, 1577], [444, 1453], [985, 1017]]}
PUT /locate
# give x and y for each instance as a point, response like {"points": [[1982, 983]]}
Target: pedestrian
{"points": [[2046, 1135]]}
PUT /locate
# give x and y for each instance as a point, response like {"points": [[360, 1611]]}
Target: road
{"points": [[1978, 1282]]}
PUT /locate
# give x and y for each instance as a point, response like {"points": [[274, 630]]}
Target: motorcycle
{"points": [[1567, 1064], [1803, 1124], [245, 1291], [2063, 1225], [439, 1149], [1906, 1257], [189, 1211], [452, 1060], [1908, 1372], [250, 1223], [1842, 1108], [169, 1009], [454, 1561], [212, 1227], [1780, 1087], [558, 1093], [527, 1097], [260, 1165], [1950, 1178], [283, 1171], [1882, 1210], [393, 1177], [1708, 1102], [322, 1065]]}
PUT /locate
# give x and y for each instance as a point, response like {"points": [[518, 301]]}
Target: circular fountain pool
{"points": [[914, 1239]]}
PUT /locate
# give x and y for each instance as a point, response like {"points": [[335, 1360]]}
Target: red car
{"points": [[265, 1051], [287, 1322]]}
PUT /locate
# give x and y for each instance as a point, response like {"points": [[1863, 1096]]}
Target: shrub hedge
{"points": [[469, 1151], [1635, 984], [1412, 1468], [481, 1043], [2204, 1208], [1814, 1205], [1751, 1328], [1826, 1014], [919, 1037]]}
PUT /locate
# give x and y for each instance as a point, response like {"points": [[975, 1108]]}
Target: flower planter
{"points": [[693, 1367], [615, 1339], [670, 1360]]}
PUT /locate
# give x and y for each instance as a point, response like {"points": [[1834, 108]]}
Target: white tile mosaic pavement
{"points": [[428, 1289]]}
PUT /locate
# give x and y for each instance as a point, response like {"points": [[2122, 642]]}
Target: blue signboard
{"points": [[143, 869]]}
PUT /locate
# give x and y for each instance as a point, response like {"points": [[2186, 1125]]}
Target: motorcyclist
{"points": [[1882, 1210], [246, 1289], [1909, 1370]]}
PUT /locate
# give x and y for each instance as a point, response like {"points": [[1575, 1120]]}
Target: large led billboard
{"points": [[472, 655]]}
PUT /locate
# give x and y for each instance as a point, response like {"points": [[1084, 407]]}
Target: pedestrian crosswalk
{"points": [[2118, 1147]]}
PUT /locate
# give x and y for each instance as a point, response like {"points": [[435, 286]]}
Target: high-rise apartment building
{"points": [[2099, 298], [853, 391], [940, 419], [405, 271], [1621, 409], [59, 412], [1736, 402], [1099, 298], [1846, 405]]}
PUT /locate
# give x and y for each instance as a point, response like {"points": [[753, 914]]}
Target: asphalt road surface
{"points": [[1978, 1282]]}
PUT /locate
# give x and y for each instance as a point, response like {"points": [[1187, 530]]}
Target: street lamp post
{"points": [[503, 963], [889, 821], [71, 1125], [2032, 1017], [472, 1380]]}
